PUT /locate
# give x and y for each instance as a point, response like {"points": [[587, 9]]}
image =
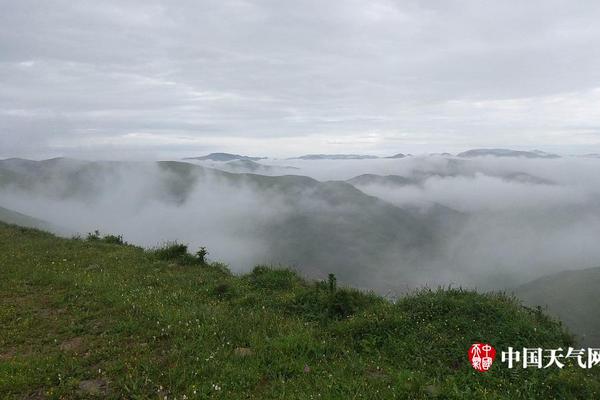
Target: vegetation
{"points": [[87, 319], [178, 253], [111, 239]]}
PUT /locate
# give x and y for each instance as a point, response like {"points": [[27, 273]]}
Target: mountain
{"points": [[85, 319], [522, 177], [419, 177], [373, 179], [224, 157], [591, 155], [399, 155], [13, 217], [571, 296], [334, 157], [316, 219], [249, 166], [506, 153]]}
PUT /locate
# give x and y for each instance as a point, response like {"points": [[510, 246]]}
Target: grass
{"points": [[87, 319]]}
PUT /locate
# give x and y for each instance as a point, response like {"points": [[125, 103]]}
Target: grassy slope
{"points": [[80, 317], [13, 217], [573, 297]]}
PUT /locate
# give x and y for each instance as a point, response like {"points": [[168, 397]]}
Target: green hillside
{"points": [[571, 296], [13, 217], [99, 319]]}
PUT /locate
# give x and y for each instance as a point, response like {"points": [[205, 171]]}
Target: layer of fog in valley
{"points": [[382, 224]]}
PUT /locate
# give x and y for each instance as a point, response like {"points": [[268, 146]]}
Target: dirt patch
{"points": [[94, 386], [36, 395], [8, 354], [243, 351], [74, 344]]}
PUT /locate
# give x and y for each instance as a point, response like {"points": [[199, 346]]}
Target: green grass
{"points": [[84, 316]]}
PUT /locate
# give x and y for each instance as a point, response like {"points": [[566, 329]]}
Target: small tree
{"points": [[201, 255], [332, 281]]}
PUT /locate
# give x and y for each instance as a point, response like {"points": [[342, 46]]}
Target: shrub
{"points": [[113, 239], [171, 251], [224, 290], [273, 279], [201, 255], [344, 303], [177, 252], [110, 239], [325, 301], [93, 236]]}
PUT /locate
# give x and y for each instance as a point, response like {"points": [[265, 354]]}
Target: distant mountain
{"points": [[249, 166], [373, 179], [571, 296], [591, 155], [506, 153], [399, 155], [418, 177], [320, 218], [224, 157], [334, 157], [522, 177]]}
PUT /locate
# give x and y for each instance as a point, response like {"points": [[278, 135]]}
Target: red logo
{"points": [[481, 356]]}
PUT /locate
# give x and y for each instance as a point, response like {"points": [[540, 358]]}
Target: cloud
{"points": [[492, 223], [441, 74]]}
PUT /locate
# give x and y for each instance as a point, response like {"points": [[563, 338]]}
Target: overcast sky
{"points": [[152, 78]]}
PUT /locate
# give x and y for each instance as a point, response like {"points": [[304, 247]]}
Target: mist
{"points": [[488, 223]]}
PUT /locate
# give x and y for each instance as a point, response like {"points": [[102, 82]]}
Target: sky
{"points": [[168, 79]]}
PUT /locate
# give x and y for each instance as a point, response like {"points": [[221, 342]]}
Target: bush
{"points": [[325, 301], [273, 279], [94, 236], [113, 239], [201, 255], [110, 239], [224, 290], [177, 252]]}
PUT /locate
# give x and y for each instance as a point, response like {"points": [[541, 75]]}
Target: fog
{"points": [[504, 221]]}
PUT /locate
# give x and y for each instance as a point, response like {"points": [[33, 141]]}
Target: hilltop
{"points": [[506, 153], [97, 318], [224, 157], [335, 157]]}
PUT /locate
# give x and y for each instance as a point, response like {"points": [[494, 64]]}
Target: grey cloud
{"points": [[460, 73]]}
